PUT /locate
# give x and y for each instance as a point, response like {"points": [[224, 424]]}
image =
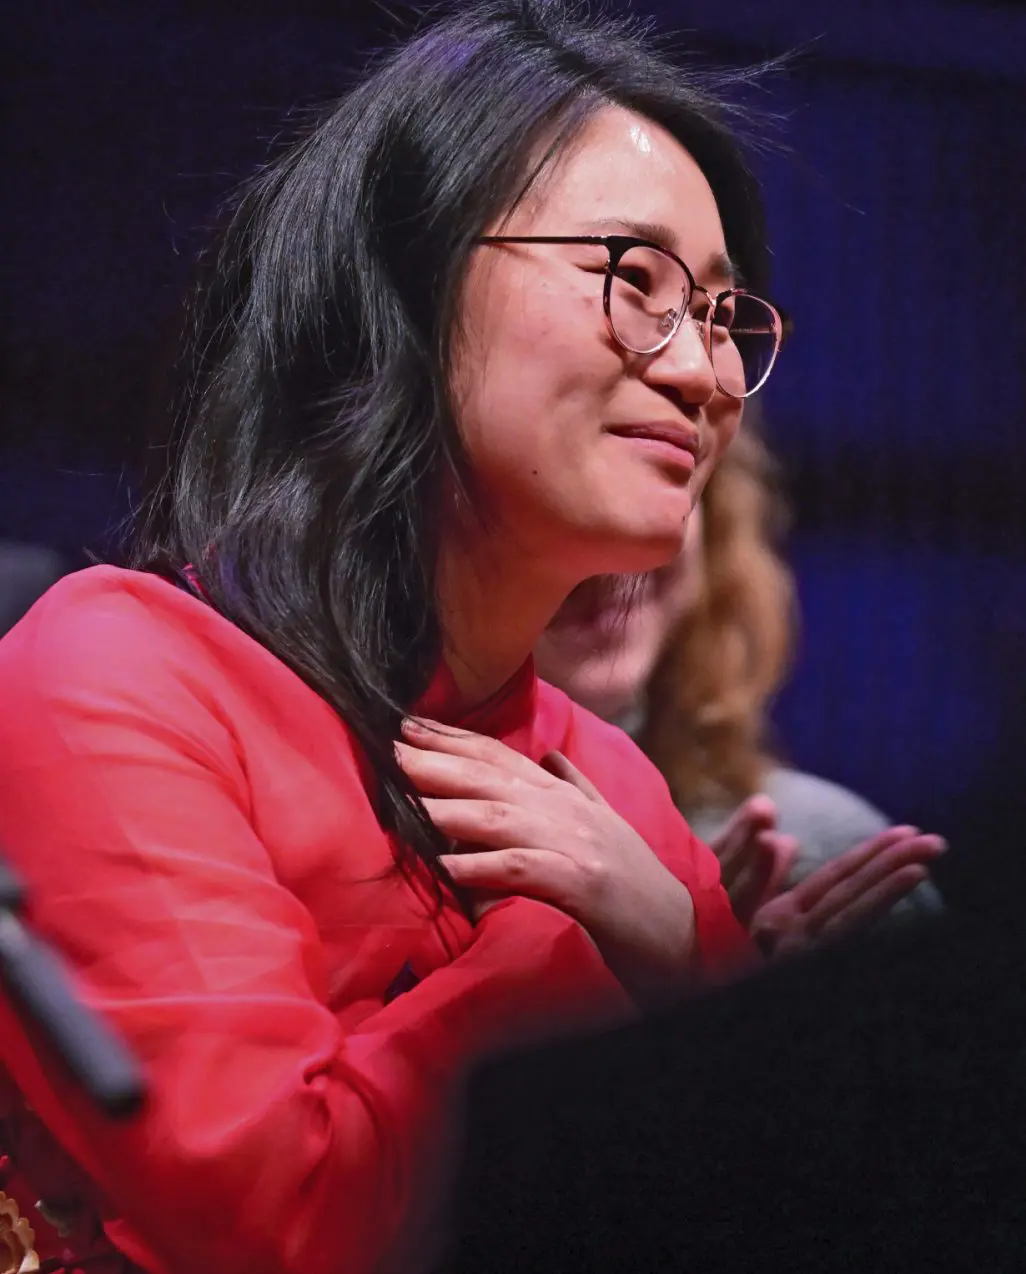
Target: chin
{"points": [[638, 533], [657, 527], [646, 548]]}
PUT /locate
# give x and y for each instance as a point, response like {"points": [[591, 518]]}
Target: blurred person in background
{"points": [[687, 660]]}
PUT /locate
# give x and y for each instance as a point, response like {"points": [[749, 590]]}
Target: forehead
{"points": [[624, 169]]}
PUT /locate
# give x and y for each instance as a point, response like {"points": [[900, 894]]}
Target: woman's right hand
{"points": [[545, 832]]}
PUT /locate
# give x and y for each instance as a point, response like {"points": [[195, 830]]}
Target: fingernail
{"points": [[411, 725]]}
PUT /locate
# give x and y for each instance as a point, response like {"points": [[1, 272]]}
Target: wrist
{"points": [[658, 973]]}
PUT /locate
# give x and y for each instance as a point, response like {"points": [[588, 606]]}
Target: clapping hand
{"points": [[754, 857], [847, 893]]}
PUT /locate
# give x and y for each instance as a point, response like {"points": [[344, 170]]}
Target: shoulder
{"points": [[826, 819], [808, 797], [117, 604], [104, 624], [106, 640]]}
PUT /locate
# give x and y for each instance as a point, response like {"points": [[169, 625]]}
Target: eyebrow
{"points": [[719, 266]]}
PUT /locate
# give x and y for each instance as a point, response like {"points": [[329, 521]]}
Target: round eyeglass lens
{"points": [[744, 342], [647, 293]]}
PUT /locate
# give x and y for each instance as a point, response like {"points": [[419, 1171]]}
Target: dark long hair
{"points": [[314, 437]]}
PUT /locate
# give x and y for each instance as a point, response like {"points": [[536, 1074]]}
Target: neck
{"points": [[494, 606]]}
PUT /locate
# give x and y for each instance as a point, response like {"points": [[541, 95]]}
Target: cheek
{"points": [[535, 372]]}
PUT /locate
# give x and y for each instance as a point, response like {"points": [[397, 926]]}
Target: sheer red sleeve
{"points": [[274, 1140], [724, 948]]}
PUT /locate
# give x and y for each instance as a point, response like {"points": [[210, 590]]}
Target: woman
{"points": [[288, 793], [688, 663]]}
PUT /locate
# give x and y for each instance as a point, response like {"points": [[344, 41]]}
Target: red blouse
{"points": [[194, 827]]}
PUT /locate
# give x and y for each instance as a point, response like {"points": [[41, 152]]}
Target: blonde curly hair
{"points": [[706, 724]]}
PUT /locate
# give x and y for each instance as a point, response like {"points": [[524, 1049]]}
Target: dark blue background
{"points": [[897, 205]]}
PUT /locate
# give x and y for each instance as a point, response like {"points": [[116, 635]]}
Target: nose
{"points": [[684, 365]]}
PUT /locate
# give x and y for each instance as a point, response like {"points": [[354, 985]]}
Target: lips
{"points": [[672, 445], [670, 432]]}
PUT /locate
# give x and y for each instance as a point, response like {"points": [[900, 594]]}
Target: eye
{"points": [[700, 310], [725, 314], [635, 276]]}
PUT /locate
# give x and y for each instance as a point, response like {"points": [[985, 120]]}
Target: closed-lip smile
{"points": [[675, 434]]}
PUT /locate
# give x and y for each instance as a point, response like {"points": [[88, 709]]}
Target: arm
{"points": [[273, 1141]]}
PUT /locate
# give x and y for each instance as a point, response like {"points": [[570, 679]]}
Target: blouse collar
{"points": [[508, 711]]}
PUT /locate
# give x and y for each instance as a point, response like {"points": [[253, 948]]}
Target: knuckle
{"points": [[479, 772], [517, 864], [516, 787], [593, 872], [485, 746], [495, 815], [586, 832]]}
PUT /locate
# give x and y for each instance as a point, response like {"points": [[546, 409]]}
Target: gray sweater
{"points": [[826, 820]]}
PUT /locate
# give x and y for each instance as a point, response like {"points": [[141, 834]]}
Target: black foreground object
{"points": [[858, 1110], [34, 979]]}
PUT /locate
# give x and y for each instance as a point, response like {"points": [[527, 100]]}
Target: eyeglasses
{"points": [[648, 293]]}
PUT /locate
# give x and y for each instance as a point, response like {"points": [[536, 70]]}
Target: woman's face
{"points": [[550, 405], [602, 647]]}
